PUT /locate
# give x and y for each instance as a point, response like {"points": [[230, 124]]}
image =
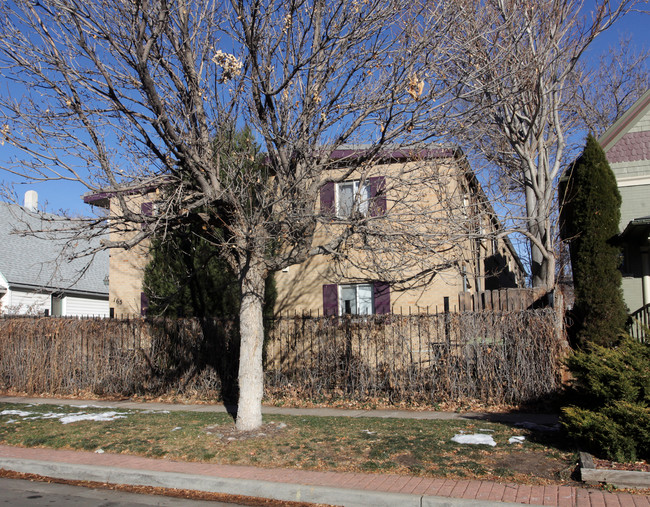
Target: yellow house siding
{"points": [[127, 266], [448, 210], [450, 206]]}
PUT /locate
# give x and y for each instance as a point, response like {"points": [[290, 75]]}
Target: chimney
{"points": [[31, 201]]}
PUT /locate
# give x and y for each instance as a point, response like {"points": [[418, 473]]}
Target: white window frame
{"points": [[357, 299], [361, 197], [465, 280]]}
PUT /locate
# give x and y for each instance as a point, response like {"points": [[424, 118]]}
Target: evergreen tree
{"points": [[186, 278], [591, 215]]}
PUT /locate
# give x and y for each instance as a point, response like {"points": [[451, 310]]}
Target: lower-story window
{"points": [[356, 299]]}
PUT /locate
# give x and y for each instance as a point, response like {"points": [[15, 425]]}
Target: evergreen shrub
{"points": [[611, 418]]}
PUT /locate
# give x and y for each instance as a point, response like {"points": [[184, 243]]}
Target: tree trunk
{"points": [[542, 260], [251, 324], [543, 269], [539, 266]]}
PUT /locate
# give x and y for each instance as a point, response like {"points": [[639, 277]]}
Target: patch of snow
{"points": [[99, 451], [177, 428], [19, 413], [476, 438], [154, 411], [65, 418], [486, 430], [50, 415], [516, 440], [104, 416], [282, 425], [368, 432]]}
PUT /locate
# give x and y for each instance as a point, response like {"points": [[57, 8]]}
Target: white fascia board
{"points": [[633, 182]]}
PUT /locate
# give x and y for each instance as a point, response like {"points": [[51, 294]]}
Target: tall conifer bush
{"points": [[591, 214], [187, 276], [611, 380]]}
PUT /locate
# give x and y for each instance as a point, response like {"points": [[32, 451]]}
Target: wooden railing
{"points": [[639, 325]]}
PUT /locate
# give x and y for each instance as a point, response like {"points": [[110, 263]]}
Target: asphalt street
{"points": [[22, 493]]}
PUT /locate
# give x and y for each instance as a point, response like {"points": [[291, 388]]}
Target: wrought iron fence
{"points": [[494, 357]]}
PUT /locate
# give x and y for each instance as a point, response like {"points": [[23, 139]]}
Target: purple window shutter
{"points": [[382, 297], [146, 208], [330, 300], [378, 196], [327, 199], [144, 304]]}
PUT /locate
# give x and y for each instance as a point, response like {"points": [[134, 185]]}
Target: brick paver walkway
{"points": [[556, 495]]}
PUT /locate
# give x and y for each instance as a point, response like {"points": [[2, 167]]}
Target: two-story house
{"points": [[451, 211], [454, 214]]}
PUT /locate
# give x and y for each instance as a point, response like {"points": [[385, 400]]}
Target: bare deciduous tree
{"points": [[126, 95], [516, 65], [617, 81]]}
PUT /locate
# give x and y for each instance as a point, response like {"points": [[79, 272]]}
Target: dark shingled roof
{"points": [[30, 262]]}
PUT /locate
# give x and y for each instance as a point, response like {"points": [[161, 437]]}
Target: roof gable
{"points": [[628, 139]]}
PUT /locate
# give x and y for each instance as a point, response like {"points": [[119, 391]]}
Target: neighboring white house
{"points": [[33, 277]]}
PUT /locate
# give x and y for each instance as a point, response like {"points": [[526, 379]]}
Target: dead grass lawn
{"points": [[398, 446]]}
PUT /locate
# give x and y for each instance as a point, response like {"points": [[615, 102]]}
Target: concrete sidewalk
{"points": [[508, 417], [349, 489]]}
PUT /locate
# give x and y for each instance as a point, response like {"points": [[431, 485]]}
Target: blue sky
{"points": [[67, 195], [634, 24]]}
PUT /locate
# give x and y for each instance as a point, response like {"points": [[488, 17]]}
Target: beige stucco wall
{"points": [[300, 290], [446, 210], [126, 267]]}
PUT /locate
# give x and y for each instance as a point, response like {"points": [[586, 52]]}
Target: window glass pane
{"points": [[364, 198], [346, 199], [348, 300], [364, 299]]}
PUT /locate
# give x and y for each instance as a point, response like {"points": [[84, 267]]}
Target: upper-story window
{"points": [[352, 196], [344, 198]]}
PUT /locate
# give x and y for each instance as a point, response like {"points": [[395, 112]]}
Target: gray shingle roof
{"points": [[36, 262]]}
